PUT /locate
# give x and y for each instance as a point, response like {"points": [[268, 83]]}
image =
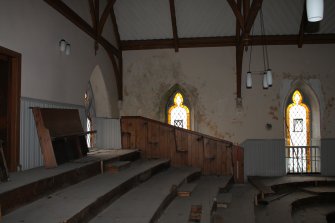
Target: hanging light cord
{"points": [[265, 46], [252, 33]]}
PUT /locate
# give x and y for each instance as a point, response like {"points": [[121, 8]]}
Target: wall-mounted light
{"points": [[65, 47], [314, 10]]}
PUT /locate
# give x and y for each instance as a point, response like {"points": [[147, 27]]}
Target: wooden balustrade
{"points": [[183, 147]]}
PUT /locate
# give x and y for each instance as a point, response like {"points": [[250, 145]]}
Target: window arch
{"points": [[178, 113], [298, 135], [298, 121]]}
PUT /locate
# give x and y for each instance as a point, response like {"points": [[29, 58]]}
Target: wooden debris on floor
{"points": [[195, 213], [116, 166], [186, 189]]}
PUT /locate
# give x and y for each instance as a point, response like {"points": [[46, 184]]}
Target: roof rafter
{"points": [[105, 15], [237, 11], [225, 41], [174, 24], [62, 8], [302, 26], [71, 15]]}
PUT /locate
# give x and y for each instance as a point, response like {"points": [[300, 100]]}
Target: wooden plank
{"points": [[44, 139], [153, 140]]}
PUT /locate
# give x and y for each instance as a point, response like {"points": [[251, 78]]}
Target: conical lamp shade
{"points": [[314, 10]]}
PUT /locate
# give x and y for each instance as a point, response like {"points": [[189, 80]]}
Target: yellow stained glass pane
{"points": [[298, 133], [178, 113]]}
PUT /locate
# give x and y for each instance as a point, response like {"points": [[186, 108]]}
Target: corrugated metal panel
{"points": [[204, 18], [264, 157], [108, 133], [30, 151], [145, 19], [327, 157]]}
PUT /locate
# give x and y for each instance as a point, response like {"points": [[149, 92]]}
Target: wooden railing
{"points": [[183, 147]]}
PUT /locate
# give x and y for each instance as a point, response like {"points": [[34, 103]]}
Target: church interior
{"points": [[165, 111]]}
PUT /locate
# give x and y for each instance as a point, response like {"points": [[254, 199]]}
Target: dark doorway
{"points": [[10, 86]]}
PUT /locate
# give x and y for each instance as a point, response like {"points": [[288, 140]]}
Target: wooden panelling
{"points": [[183, 147]]}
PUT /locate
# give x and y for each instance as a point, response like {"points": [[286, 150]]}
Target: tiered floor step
{"points": [[240, 208], [27, 186], [144, 203], [82, 201], [186, 189], [117, 166], [198, 206]]}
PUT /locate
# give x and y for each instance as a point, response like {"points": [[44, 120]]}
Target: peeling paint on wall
{"points": [[208, 76]]}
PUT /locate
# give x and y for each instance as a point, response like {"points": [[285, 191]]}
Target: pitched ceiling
{"points": [[151, 24]]}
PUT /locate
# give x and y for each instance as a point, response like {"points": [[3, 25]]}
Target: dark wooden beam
{"points": [[105, 15], [62, 8], [174, 25], [237, 11], [225, 41], [252, 14], [246, 7], [302, 26], [115, 28], [92, 12]]}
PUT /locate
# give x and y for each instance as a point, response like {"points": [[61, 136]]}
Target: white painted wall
{"points": [[34, 29], [208, 75]]}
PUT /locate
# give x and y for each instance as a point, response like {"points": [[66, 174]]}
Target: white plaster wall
{"points": [[208, 74], [34, 29]]}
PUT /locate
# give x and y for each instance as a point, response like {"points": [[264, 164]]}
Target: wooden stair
{"points": [[27, 186], [145, 203], [116, 166], [199, 205], [82, 201]]}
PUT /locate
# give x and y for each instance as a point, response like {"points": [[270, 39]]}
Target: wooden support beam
{"points": [[62, 8], [115, 28], [246, 7], [302, 26], [225, 41], [174, 25], [92, 12], [237, 11], [105, 15], [252, 14]]}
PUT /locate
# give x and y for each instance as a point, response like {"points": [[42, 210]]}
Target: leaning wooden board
{"points": [[61, 135]]}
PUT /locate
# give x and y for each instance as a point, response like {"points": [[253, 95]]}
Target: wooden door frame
{"points": [[14, 95]]}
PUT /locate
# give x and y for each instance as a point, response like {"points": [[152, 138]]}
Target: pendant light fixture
{"points": [[314, 10], [267, 72]]}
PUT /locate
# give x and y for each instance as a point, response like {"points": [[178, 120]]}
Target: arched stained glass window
{"points": [[298, 134], [178, 113]]}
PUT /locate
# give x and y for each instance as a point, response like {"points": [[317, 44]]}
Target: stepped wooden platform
{"points": [[144, 203], [198, 206], [26, 186], [82, 201], [268, 185]]}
